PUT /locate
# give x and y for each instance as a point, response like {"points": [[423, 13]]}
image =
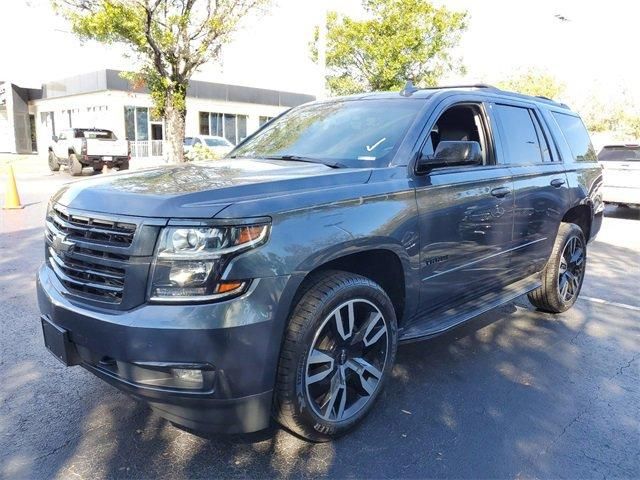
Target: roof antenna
{"points": [[409, 89]]}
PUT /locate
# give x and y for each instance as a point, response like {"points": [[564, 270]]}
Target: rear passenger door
{"points": [[540, 184]]}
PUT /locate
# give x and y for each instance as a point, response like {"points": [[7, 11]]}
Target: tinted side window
{"points": [[521, 144], [542, 139], [577, 137]]}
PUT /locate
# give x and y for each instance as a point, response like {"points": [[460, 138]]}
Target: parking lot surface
{"points": [[514, 394]]}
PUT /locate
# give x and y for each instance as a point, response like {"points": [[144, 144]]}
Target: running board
{"points": [[436, 323]]}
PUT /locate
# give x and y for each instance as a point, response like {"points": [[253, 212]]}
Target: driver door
{"points": [[465, 213]]}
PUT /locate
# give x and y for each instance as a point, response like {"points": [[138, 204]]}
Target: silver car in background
{"points": [[621, 171]]}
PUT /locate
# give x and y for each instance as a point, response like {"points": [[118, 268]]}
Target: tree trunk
{"points": [[174, 114]]}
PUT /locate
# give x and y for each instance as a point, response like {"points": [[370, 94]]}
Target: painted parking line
{"points": [[614, 304]]}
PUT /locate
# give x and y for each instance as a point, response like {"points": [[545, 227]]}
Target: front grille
{"points": [[93, 229], [88, 279], [89, 254]]}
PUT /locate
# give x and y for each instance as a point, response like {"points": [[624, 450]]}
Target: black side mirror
{"points": [[451, 154], [54, 138]]}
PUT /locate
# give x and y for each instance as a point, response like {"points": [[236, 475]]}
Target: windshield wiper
{"points": [[299, 158], [292, 158]]}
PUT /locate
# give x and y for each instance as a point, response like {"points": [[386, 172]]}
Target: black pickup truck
{"points": [[278, 282]]}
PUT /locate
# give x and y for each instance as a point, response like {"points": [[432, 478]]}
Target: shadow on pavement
{"points": [[629, 213], [514, 393]]}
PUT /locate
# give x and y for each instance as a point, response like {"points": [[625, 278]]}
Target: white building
{"points": [[103, 99]]}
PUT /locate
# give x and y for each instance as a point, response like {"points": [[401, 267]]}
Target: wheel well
{"points": [[581, 216], [382, 266]]}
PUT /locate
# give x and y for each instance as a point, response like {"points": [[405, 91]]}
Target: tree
{"points": [[620, 118], [170, 38], [534, 83], [399, 40]]}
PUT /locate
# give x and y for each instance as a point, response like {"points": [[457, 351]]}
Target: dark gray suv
{"points": [[279, 281]]}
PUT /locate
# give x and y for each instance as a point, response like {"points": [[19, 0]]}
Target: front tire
{"points": [[54, 165], [338, 351], [75, 167], [564, 273]]}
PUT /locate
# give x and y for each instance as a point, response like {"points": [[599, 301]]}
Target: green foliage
{"points": [[534, 83], [399, 40], [170, 38], [621, 118]]}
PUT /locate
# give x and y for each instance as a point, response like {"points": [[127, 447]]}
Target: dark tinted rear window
{"points": [[521, 141], [577, 137], [92, 133], [620, 154]]}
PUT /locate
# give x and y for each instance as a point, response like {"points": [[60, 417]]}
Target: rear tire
{"points": [[338, 351], [75, 167], [564, 273], [54, 165], [97, 168], [124, 165]]}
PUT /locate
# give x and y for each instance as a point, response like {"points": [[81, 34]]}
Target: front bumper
{"points": [[239, 339]]}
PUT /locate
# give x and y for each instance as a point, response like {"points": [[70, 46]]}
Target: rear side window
{"points": [[577, 137], [620, 153], [523, 140]]}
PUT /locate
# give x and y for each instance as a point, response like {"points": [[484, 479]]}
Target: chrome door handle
{"points": [[557, 182], [501, 192]]}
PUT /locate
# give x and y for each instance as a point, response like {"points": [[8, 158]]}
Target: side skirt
{"points": [[436, 323]]}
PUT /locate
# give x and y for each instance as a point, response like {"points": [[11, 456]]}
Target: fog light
{"points": [[188, 376]]}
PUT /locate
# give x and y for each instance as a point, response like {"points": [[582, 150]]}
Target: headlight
{"points": [[190, 260]]}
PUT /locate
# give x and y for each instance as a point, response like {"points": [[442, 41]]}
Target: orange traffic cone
{"points": [[11, 197]]}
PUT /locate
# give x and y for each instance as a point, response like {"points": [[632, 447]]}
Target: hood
{"points": [[201, 190]]}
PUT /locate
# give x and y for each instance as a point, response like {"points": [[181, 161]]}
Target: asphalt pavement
{"points": [[514, 394]]}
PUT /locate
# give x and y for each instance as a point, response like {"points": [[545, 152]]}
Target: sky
{"points": [[593, 52]]}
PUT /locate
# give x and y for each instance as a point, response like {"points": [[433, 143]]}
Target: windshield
{"points": [[353, 133], [620, 154], [216, 142], [99, 134]]}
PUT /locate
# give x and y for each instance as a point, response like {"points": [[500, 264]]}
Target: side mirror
{"points": [[54, 138], [451, 154]]}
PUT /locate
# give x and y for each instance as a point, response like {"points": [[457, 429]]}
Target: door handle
{"points": [[557, 182], [501, 192]]}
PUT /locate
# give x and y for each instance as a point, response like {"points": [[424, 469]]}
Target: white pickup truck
{"points": [[88, 147], [621, 172]]}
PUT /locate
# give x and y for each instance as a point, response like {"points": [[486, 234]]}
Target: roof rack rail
{"points": [[409, 88], [471, 85]]}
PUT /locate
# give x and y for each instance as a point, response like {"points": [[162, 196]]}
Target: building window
{"points": [[230, 126], [136, 123], [204, 123], [130, 123], [262, 120], [142, 123]]}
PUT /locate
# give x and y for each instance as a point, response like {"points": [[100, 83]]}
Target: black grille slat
{"points": [[90, 256], [93, 229]]}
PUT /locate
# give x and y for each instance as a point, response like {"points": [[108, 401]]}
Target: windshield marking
{"points": [[370, 148]]}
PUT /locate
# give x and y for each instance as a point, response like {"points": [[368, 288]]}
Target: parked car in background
{"points": [[279, 281], [621, 171], [87, 147], [219, 146]]}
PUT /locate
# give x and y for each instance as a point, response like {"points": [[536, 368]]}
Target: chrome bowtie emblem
{"points": [[61, 244]]}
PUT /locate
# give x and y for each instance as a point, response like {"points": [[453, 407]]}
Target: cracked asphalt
{"points": [[514, 394]]}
